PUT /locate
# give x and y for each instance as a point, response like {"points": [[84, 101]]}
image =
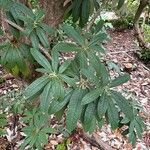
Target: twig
{"points": [[14, 25], [94, 140], [43, 50]]}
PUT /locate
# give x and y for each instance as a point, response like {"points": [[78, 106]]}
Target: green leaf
{"points": [[70, 81], [81, 59], [120, 80], [57, 89], [89, 73], [41, 59], [66, 47], [72, 33], [34, 40], [91, 96], [85, 11], [120, 3], [57, 105], [99, 25], [76, 7], [112, 114], [139, 129], [46, 97], [89, 118], [74, 109], [100, 68], [123, 104], [48, 130], [42, 37], [98, 48], [102, 105], [98, 38], [64, 66], [48, 29], [36, 86], [132, 138]]}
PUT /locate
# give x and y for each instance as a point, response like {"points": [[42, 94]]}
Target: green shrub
{"points": [[79, 87]]}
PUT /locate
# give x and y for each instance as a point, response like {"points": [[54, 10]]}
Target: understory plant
{"points": [[78, 88]]}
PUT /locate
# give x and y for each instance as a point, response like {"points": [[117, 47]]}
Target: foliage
{"points": [[79, 87], [146, 29]]}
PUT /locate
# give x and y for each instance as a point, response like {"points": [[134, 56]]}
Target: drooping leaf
{"points": [[85, 11], [91, 96], [112, 114], [57, 105], [36, 86], [100, 68], [74, 109], [120, 80], [34, 40], [123, 104], [64, 66], [42, 37], [46, 97], [102, 105], [120, 3], [89, 118], [72, 33], [41, 59]]}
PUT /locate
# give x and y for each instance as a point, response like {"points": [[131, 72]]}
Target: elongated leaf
{"points": [[57, 105], [85, 11], [102, 105], [68, 80], [74, 109], [42, 37], [34, 40], [120, 80], [91, 96], [123, 105], [46, 97], [48, 29], [89, 73], [89, 118], [100, 68], [98, 48], [36, 86], [99, 38], [82, 59], [139, 130], [66, 47], [120, 3], [132, 138], [57, 89], [71, 32], [41, 59], [112, 114], [64, 66], [76, 7]]}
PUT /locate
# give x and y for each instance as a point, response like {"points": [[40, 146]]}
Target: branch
{"points": [[94, 140], [43, 50]]}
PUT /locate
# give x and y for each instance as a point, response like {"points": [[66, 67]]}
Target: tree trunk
{"points": [[54, 11], [140, 38]]}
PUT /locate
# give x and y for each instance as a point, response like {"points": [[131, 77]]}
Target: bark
{"points": [[140, 37], [54, 11]]}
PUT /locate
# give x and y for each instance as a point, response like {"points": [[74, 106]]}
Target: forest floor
{"points": [[121, 51]]}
